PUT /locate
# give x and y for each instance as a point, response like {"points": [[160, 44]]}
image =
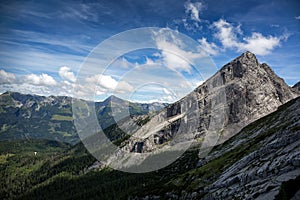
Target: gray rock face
{"points": [[253, 90], [296, 87], [241, 92], [259, 174]]}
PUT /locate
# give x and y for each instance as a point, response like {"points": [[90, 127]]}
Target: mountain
{"points": [[252, 90], [38, 117], [259, 162], [241, 92], [297, 86]]}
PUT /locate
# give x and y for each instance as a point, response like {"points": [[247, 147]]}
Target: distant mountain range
{"points": [[24, 116], [251, 114]]}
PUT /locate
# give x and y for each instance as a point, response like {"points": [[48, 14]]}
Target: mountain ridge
{"points": [[297, 87], [27, 116]]}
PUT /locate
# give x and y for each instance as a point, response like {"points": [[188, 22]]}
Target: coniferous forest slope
{"points": [[257, 156]]}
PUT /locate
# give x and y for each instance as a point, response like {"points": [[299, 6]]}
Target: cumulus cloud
{"points": [[257, 43], [226, 33], [43, 79], [42, 84], [173, 51], [173, 61], [150, 61], [6, 77], [298, 17], [105, 81], [124, 87], [66, 73], [45, 84], [193, 10], [210, 48]]}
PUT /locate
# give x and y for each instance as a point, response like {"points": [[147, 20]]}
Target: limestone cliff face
{"points": [[239, 93]]}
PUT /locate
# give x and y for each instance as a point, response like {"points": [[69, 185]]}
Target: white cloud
{"points": [[124, 63], [66, 73], [259, 44], [46, 85], [227, 34], [298, 17], [102, 84], [95, 87], [173, 51], [210, 48], [124, 87], [43, 79], [173, 61], [158, 97], [149, 61], [27, 88], [6, 77], [193, 10], [199, 83], [105, 81]]}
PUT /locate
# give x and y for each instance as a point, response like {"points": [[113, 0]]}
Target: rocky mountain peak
{"points": [[237, 68], [247, 58], [296, 87], [113, 99]]}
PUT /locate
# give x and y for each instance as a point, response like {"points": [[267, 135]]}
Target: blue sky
{"points": [[43, 44]]}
